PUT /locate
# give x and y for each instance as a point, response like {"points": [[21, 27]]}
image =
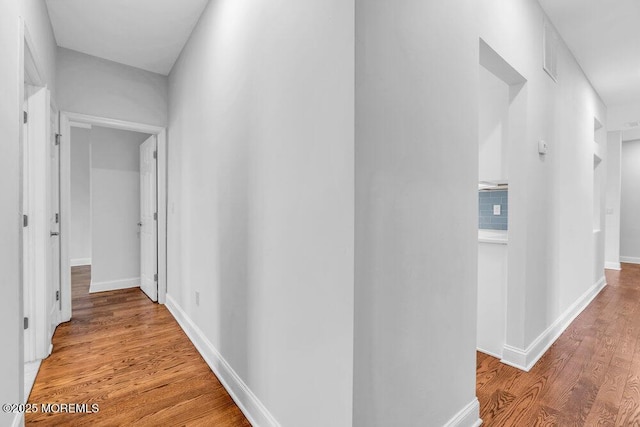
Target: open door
{"points": [[53, 296], [28, 298], [148, 219], [41, 202]]}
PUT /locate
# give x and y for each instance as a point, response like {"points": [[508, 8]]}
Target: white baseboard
{"points": [[30, 372], [248, 403], [469, 416], [80, 262], [630, 259], [114, 285], [612, 265], [18, 420], [525, 359]]}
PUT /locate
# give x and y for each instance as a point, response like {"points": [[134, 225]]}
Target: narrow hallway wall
{"points": [[552, 247], [261, 194], [11, 333], [416, 212], [34, 15]]}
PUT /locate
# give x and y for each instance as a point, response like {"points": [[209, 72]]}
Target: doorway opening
{"points": [[126, 200], [113, 229], [502, 118], [629, 199], [599, 190]]}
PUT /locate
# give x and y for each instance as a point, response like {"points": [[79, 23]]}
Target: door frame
{"points": [[66, 118], [34, 253]]}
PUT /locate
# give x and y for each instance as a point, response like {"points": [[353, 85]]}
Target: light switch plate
{"points": [[496, 209]]}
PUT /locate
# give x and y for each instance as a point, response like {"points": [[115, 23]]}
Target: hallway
{"points": [[130, 357], [590, 376]]}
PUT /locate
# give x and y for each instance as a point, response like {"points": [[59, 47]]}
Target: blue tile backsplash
{"points": [[486, 218]]}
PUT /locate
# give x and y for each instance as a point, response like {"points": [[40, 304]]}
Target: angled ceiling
{"points": [[147, 34], [604, 36]]}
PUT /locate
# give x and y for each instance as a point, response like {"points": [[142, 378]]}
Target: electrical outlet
{"points": [[197, 298], [496, 209]]}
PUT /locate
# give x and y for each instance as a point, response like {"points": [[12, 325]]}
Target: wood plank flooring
{"points": [[589, 377], [129, 356]]}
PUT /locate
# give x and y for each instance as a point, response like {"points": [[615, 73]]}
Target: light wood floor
{"points": [[589, 377], [129, 356]]}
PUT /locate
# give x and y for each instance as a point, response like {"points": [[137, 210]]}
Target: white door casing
{"points": [[160, 132], [148, 219]]}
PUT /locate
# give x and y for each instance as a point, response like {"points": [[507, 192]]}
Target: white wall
{"points": [[493, 127], [240, 159], [613, 188], [36, 16], [630, 203], [102, 88], [492, 286], [11, 334], [551, 241], [80, 233], [261, 199], [115, 207], [416, 212], [619, 115]]}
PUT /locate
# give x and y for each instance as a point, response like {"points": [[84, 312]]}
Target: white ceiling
{"points": [[604, 36], [147, 34]]}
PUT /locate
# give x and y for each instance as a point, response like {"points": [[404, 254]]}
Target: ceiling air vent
{"points": [[550, 43]]}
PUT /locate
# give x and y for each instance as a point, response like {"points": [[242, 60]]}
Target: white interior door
{"points": [[53, 294], [29, 337], [148, 219], [41, 240]]}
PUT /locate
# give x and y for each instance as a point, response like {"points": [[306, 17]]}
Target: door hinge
{"points": [[58, 136], [25, 117], [25, 220], [26, 323], [155, 277], [57, 295], [155, 154], [155, 216], [57, 218]]}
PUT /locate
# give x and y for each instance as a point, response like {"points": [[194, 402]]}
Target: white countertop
{"points": [[500, 237]]}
